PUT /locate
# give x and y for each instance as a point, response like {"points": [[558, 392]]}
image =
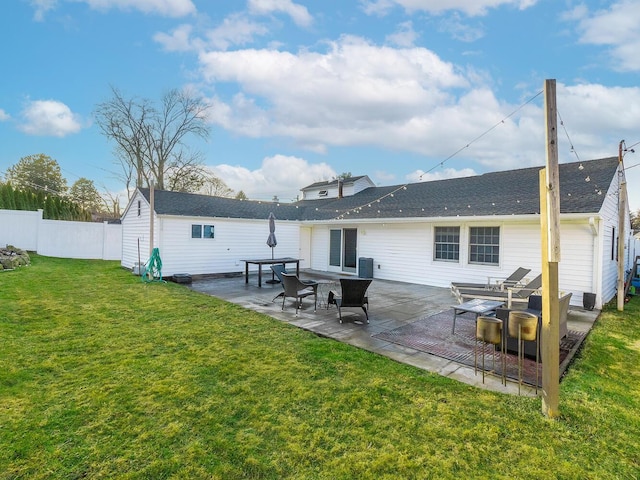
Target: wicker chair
{"points": [[353, 295], [294, 288], [278, 270]]}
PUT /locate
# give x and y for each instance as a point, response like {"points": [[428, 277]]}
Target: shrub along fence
{"points": [[58, 238]]}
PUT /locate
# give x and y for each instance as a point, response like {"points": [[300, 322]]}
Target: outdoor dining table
{"points": [[268, 261], [477, 306]]}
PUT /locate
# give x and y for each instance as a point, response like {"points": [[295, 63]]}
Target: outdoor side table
{"points": [[477, 306], [324, 287]]}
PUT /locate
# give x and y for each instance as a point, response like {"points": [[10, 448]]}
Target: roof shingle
{"points": [[583, 187]]}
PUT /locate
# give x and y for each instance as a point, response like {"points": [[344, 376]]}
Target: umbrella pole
{"points": [[273, 277]]}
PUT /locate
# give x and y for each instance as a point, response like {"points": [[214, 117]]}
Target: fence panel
{"points": [[58, 238]]}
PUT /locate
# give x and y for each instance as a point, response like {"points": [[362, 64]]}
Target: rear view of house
{"points": [[430, 233]]}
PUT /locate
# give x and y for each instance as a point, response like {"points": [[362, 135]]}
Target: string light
{"points": [[440, 164], [570, 142], [597, 189], [501, 122]]}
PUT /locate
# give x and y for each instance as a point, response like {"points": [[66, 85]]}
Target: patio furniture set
{"points": [[353, 291], [508, 329]]}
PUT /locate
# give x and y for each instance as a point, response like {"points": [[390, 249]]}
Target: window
{"points": [[323, 193], [202, 231], [484, 245], [139, 207], [447, 244]]}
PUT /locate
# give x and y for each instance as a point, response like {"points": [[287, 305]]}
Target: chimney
{"points": [[339, 188]]}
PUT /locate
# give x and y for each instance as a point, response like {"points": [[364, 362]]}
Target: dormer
{"points": [[338, 188]]}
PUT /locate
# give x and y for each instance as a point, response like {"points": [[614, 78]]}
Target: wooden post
{"points": [[621, 224], [550, 249]]}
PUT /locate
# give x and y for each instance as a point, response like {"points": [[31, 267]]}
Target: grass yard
{"points": [[104, 376]]}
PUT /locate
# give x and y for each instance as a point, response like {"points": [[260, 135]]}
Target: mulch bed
{"points": [[433, 335]]}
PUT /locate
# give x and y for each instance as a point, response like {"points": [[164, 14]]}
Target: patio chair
{"points": [[353, 295], [512, 281], [294, 288], [509, 296], [278, 270]]}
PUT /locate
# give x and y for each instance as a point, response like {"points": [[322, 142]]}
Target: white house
{"points": [[430, 233]]}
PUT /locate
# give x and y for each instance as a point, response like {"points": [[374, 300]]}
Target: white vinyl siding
{"points": [[234, 241]]}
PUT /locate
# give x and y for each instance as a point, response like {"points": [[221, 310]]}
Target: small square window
{"points": [[196, 231], [208, 231]]}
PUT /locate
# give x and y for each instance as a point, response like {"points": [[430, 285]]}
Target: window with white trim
{"points": [[484, 245], [446, 245], [202, 231]]}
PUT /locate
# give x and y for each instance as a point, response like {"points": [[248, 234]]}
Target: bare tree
{"points": [[112, 203], [215, 186], [150, 141]]}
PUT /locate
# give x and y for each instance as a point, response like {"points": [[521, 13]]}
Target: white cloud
{"points": [[4, 116], [41, 8], [459, 29], [298, 13], [279, 175], [616, 28], [235, 30], [468, 7], [169, 8], [404, 37], [441, 174], [354, 93], [178, 40], [49, 118]]}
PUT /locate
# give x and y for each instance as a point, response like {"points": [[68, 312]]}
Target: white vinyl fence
{"points": [[57, 238]]}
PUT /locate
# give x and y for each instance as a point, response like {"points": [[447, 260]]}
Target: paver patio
{"points": [[392, 304]]}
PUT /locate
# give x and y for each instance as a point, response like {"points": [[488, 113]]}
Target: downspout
{"points": [[596, 227]]}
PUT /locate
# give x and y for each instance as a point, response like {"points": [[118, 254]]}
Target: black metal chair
{"points": [[353, 295], [294, 288]]}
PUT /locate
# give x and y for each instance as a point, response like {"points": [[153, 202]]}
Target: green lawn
{"points": [[104, 376]]}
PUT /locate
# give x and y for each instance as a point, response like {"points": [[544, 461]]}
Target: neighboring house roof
{"points": [[334, 182], [583, 188]]}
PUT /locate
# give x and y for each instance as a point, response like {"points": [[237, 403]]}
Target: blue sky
{"points": [[301, 91]]}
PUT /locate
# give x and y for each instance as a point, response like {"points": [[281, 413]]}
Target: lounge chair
{"points": [[278, 270], [354, 292], [294, 288], [512, 281], [509, 295]]}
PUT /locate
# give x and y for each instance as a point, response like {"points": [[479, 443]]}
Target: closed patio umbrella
{"points": [[271, 241]]}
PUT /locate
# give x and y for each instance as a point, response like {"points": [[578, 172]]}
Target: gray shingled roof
{"points": [[511, 192]]}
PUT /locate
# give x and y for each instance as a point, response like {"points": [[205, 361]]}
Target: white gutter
{"points": [[349, 219]]}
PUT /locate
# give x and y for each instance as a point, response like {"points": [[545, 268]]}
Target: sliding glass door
{"points": [[343, 249]]}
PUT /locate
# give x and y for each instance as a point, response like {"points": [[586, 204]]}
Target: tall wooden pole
{"points": [[550, 249], [621, 224]]}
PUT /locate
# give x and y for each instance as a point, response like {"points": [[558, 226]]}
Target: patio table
{"points": [[268, 261], [477, 306]]}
